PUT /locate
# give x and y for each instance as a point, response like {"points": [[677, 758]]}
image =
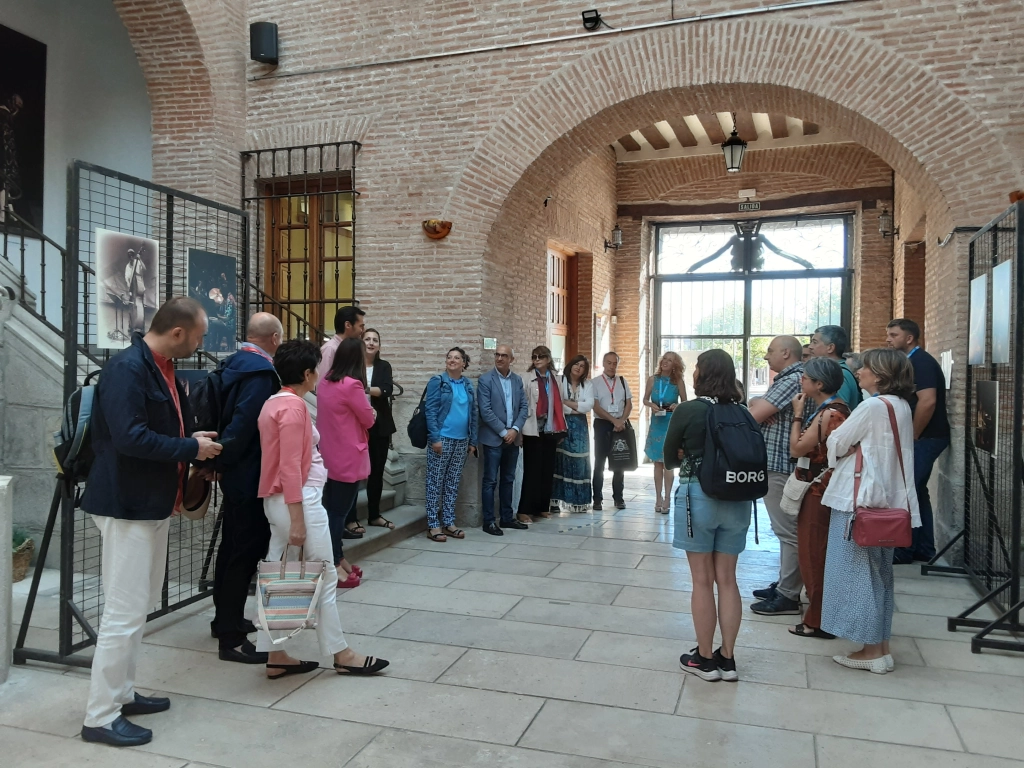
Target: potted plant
{"points": [[23, 548]]}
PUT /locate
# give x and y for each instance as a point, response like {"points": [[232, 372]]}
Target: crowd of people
{"points": [[289, 482]]}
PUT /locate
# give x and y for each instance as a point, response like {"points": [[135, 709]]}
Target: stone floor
{"points": [[546, 648]]}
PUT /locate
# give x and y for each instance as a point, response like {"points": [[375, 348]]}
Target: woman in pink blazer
{"points": [[344, 417]]}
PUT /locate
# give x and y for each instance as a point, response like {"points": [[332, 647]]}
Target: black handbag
{"points": [[417, 428], [622, 456]]}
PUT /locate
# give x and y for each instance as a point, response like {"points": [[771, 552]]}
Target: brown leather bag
{"points": [[881, 527]]}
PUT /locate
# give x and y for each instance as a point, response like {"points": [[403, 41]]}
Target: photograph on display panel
{"points": [[1002, 286], [212, 281], [986, 428], [22, 123], [126, 286], [978, 321]]}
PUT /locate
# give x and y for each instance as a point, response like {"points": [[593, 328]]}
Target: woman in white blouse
{"points": [[572, 490], [858, 595]]}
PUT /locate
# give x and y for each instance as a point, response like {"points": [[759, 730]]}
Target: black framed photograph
{"points": [[213, 282], [22, 125], [986, 426]]}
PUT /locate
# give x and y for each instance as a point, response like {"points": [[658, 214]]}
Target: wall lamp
{"points": [[616, 242], [885, 224], [591, 20]]}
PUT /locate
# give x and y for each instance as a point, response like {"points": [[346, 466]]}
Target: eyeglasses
{"points": [[539, 357]]}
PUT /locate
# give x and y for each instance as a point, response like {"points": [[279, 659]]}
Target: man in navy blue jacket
{"points": [[249, 379], [139, 426], [503, 411]]}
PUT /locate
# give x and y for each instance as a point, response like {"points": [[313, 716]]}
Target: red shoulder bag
{"points": [[873, 526]]}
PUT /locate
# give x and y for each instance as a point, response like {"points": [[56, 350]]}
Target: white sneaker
{"points": [[877, 666], [890, 665]]}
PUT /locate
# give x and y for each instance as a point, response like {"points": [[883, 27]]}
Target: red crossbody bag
{"points": [[873, 526]]}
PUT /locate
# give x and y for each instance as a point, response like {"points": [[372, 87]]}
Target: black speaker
{"points": [[263, 42]]}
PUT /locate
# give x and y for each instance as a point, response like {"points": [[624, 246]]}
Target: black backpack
{"points": [[206, 399], [735, 462], [417, 429], [72, 445]]}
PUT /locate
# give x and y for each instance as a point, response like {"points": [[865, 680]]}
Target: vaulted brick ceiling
{"points": [[690, 134]]}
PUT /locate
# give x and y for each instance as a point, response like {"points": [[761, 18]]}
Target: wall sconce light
{"points": [[591, 20], [616, 242], [885, 224], [734, 148]]}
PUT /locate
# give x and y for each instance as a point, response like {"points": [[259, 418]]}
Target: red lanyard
{"points": [[611, 387]]}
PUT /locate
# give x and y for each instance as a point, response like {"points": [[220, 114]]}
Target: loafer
{"points": [[514, 524], [889, 663], [493, 529], [145, 705], [876, 666], [245, 654], [121, 733], [247, 628]]}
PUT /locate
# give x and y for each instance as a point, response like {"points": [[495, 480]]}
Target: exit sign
{"points": [[755, 206]]}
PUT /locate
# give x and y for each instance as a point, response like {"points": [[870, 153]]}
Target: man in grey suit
{"points": [[503, 411]]}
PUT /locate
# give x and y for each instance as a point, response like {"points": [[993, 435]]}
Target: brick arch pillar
{"points": [[195, 92]]}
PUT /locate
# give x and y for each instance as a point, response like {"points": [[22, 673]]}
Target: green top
{"points": [[686, 430]]}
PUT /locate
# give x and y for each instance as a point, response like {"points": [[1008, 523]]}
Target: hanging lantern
{"points": [[734, 149]]}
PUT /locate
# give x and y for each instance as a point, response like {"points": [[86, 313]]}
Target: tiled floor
{"points": [[547, 648]]}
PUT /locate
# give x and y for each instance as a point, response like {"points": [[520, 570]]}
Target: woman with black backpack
{"points": [[711, 531]]}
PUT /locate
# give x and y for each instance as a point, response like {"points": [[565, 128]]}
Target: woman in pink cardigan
{"points": [[292, 477], [344, 417]]}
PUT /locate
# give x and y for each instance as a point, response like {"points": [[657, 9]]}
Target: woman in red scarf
{"points": [[544, 428]]}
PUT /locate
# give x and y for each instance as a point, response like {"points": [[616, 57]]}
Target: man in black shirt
{"points": [[931, 429]]}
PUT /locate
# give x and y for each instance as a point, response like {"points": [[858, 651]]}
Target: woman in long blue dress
{"points": [[572, 490], [661, 395]]}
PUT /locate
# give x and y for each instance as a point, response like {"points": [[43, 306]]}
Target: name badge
{"points": [[804, 462]]}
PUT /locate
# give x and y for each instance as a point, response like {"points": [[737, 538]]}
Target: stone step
{"points": [[409, 520]]}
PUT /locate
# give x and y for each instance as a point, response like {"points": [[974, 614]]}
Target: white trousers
{"points": [[134, 561], [318, 547]]}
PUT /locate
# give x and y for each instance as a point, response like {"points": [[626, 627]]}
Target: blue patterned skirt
{"points": [[572, 488]]}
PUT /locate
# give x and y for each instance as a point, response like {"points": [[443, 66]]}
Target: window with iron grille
{"points": [[301, 203]]}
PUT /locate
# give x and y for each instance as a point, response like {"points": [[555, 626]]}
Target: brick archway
{"points": [[185, 50], [890, 106]]}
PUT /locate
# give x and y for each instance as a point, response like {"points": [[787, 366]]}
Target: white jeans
{"points": [[318, 547], [134, 560]]}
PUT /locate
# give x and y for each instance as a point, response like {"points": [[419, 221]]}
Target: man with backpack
{"points": [[774, 412], [247, 379], [139, 426]]}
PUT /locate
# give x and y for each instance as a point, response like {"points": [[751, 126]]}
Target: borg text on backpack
{"points": [[734, 466]]}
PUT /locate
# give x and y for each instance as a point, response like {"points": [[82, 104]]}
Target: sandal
{"points": [[380, 522], [455, 533], [302, 668], [349, 533], [370, 667], [357, 528], [351, 582], [802, 630], [438, 537]]}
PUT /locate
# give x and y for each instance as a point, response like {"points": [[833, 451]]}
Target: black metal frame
{"points": [[103, 197], [301, 169], [991, 554], [748, 276]]}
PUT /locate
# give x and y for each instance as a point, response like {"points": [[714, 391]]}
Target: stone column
{"points": [[396, 476], [6, 565]]}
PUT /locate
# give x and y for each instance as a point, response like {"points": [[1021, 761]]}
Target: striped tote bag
{"points": [[288, 595]]}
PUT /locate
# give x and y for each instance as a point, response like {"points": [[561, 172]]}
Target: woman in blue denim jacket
{"points": [[451, 428]]}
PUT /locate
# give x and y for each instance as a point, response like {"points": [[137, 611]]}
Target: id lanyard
{"points": [[817, 410], [911, 353], [611, 390], [661, 392]]}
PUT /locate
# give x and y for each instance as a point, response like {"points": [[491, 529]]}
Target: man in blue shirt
{"points": [[832, 341], [503, 411]]}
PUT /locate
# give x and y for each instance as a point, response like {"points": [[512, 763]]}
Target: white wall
{"points": [[97, 107]]}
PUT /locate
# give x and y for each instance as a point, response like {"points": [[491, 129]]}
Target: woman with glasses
{"points": [[572, 490], [812, 424], [451, 428], [544, 428], [661, 395]]}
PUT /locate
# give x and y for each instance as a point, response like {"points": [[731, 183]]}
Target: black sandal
{"points": [[302, 668], [455, 533], [439, 537], [802, 630], [371, 666], [380, 522]]}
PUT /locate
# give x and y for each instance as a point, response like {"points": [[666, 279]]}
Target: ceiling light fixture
{"points": [[734, 148]]}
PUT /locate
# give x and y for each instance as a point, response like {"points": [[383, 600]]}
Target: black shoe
{"points": [[246, 654], [726, 666], [620, 505], [767, 593], [777, 606], [145, 705], [493, 529], [515, 524], [902, 557], [598, 506], [347, 534], [121, 733], [247, 628], [695, 664]]}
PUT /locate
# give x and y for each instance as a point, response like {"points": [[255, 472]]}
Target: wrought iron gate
{"points": [[115, 221]]}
